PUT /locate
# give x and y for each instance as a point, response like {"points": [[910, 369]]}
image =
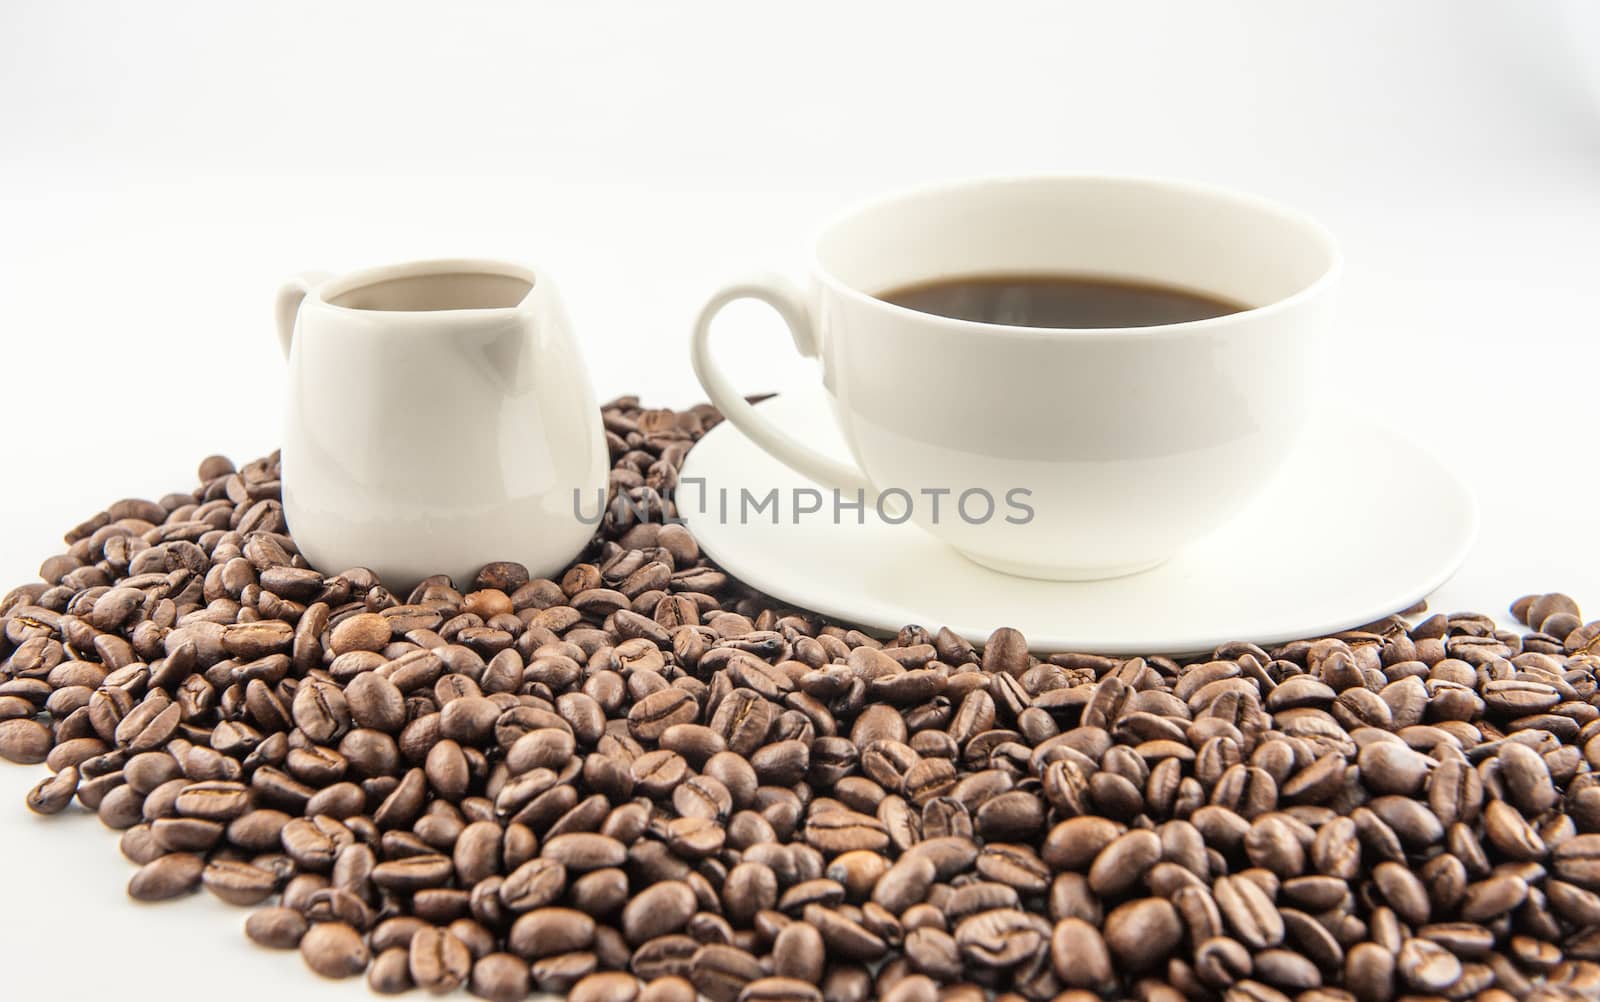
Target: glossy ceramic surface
{"points": [[1127, 444], [1313, 554], [439, 417]]}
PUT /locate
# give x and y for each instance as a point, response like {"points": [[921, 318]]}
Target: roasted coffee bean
{"points": [[934, 952], [657, 773], [1014, 865], [543, 748], [702, 797], [658, 910], [24, 740], [1248, 911], [1221, 962], [845, 936], [779, 990], [546, 932], [665, 956], [1075, 842], [477, 938], [413, 873], [277, 928], [905, 883], [314, 843], [694, 838], [1455, 792], [559, 973], [168, 876], [743, 719], [364, 632], [1369, 972], [439, 961], [751, 887], [1000, 938], [214, 801], [611, 986], [1142, 932], [585, 851], [1403, 891], [1013, 817], [844, 830], [1509, 832], [390, 973], [1577, 861], [1124, 862], [397, 931], [799, 952], [501, 977], [1080, 956], [1519, 697], [667, 988], [376, 702], [600, 892], [333, 904], [320, 710], [1428, 967], [848, 983], [534, 884], [55, 792], [721, 973], [334, 950], [653, 715], [1287, 970], [913, 988], [238, 883]]}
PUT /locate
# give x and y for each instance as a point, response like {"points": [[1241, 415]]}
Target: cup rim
{"points": [[979, 328], [349, 281]]}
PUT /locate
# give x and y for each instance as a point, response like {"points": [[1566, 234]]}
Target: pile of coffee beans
{"points": [[643, 782]]}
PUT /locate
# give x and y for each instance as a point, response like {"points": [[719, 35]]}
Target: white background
{"points": [[163, 165]]}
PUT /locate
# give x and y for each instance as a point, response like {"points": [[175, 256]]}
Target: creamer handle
{"points": [[292, 293]]}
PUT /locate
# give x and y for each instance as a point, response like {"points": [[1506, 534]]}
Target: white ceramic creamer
{"points": [[439, 417]]}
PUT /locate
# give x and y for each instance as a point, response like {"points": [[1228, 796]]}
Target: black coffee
{"points": [[1056, 300]]}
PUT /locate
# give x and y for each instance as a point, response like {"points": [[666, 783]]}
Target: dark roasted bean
{"points": [[721, 972], [278, 928], [439, 961], [390, 973], [334, 950], [658, 910], [779, 990], [168, 876], [1080, 955], [1141, 933], [1000, 938], [24, 740], [585, 851], [500, 977], [54, 793], [546, 932], [667, 988], [238, 883]]}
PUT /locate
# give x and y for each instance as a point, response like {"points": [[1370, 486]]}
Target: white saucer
{"points": [[1360, 524]]}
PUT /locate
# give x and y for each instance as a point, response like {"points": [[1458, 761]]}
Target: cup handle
{"points": [[290, 296], [782, 295]]}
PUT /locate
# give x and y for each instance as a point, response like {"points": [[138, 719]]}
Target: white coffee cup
{"points": [[439, 418], [1126, 444]]}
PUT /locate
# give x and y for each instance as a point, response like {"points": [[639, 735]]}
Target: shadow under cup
{"points": [[1125, 444]]}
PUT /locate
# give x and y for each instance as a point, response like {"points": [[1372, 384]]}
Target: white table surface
{"points": [[162, 165]]}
